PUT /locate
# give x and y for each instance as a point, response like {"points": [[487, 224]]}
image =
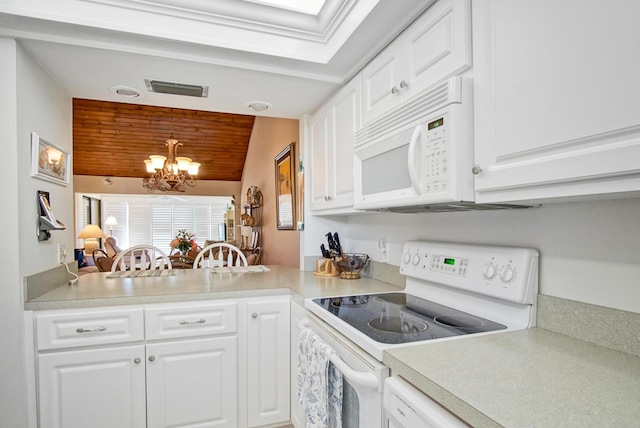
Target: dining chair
{"points": [[215, 254], [141, 257], [102, 260]]}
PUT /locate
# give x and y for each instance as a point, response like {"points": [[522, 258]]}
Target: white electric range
{"points": [[452, 291]]}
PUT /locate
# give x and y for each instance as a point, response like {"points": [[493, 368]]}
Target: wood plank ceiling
{"points": [[113, 139]]}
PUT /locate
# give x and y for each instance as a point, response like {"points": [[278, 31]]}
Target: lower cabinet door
{"points": [[192, 383], [97, 388], [268, 362]]}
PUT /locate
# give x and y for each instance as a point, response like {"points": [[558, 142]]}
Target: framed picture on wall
{"points": [[48, 161], [285, 188]]}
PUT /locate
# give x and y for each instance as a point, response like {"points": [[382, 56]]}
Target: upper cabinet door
{"points": [[438, 45], [345, 112], [321, 167], [434, 48], [557, 97], [332, 131], [381, 82]]}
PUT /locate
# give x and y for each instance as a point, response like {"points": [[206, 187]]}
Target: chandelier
{"points": [[170, 173]]}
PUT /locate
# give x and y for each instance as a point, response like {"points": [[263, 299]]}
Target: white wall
{"points": [[13, 386], [30, 102], [44, 108], [589, 251]]}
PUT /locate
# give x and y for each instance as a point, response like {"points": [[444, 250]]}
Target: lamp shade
{"points": [[91, 231], [111, 221]]}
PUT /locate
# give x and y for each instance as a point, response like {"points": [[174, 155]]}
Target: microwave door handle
{"points": [[418, 133]]}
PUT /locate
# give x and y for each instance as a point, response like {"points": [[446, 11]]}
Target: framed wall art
{"points": [[285, 188], [48, 161]]}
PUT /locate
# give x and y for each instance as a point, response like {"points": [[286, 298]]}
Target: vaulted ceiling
{"points": [[114, 139]]}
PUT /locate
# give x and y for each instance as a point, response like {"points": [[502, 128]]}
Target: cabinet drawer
{"points": [[190, 320], [66, 329]]}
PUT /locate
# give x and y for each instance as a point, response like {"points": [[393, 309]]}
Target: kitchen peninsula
{"points": [[542, 378]]}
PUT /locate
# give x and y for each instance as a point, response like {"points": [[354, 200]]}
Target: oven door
{"points": [[363, 377]]}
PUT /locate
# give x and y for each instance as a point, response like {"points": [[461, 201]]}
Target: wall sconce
{"points": [[53, 156]]}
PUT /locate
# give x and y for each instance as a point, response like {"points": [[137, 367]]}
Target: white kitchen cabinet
{"points": [[332, 131], [434, 48], [298, 314], [556, 99], [96, 369], [98, 388], [268, 361], [192, 383]]}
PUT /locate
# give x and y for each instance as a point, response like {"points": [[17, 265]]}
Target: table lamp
{"points": [[111, 221], [90, 234]]}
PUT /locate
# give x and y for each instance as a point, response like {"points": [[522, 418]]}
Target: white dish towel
{"points": [[319, 382]]}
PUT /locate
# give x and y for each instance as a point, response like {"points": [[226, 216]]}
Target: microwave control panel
{"points": [[435, 155]]}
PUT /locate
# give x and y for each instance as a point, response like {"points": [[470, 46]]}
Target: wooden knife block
{"points": [[326, 267]]}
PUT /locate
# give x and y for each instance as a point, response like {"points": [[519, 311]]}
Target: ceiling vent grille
{"points": [[176, 88]]}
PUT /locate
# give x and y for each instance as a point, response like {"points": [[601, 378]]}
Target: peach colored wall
{"points": [[269, 137]]}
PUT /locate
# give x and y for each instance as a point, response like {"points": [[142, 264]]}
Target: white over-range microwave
{"points": [[420, 155]]}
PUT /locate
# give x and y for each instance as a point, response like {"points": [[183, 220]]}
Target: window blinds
{"points": [[156, 221]]}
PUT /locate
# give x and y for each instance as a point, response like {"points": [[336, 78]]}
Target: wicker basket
{"points": [[350, 264]]}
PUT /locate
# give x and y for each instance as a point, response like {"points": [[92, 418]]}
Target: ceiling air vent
{"points": [[176, 88]]}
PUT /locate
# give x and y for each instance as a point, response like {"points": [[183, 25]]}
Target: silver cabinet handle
{"points": [[476, 169], [137, 360], [394, 90], [254, 315], [200, 321], [152, 358], [90, 330], [403, 84]]}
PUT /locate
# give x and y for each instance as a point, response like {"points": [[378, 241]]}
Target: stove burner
{"points": [[458, 321], [397, 298], [397, 325], [350, 302]]}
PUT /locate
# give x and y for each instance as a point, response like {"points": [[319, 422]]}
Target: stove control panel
{"points": [[506, 273]]}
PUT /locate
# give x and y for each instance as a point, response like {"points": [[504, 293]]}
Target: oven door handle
{"points": [[366, 379], [361, 378]]}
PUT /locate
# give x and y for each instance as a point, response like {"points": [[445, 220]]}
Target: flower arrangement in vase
{"points": [[184, 241]]}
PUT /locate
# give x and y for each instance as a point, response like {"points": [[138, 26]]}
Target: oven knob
{"points": [[507, 274], [407, 258], [489, 271], [416, 259]]}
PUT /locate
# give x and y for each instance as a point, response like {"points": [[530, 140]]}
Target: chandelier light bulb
{"points": [[157, 161], [183, 163], [149, 164], [193, 168]]}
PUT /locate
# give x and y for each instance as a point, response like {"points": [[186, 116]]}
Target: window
{"points": [[91, 213], [156, 220]]}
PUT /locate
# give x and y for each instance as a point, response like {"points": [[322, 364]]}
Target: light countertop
{"points": [[526, 378], [96, 289]]}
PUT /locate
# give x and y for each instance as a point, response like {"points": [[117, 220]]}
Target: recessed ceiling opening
{"points": [[176, 88]]}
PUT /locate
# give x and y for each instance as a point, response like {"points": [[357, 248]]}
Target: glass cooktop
{"points": [[395, 318]]}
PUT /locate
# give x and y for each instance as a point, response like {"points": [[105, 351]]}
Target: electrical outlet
{"points": [[62, 253], [383, 245]]}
